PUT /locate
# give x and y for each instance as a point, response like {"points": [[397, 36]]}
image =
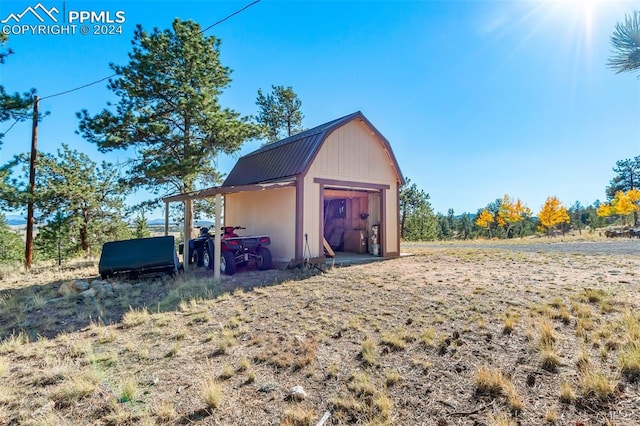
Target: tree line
{"points": [[168, 116], [507, 217]]}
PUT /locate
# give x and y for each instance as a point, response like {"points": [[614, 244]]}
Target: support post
{"points": [[28, 252], [217, 252], [166, 219], [187, 232]]}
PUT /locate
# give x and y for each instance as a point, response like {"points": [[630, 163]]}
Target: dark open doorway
{"points": [[351, 218]]}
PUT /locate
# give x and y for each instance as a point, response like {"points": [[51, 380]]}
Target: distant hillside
{"points": [[160, 222], [16, 220]]}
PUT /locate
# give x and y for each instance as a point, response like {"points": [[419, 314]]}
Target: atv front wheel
{"points": [[198, 257], [207, 257], [227, 263], [263, 261]]}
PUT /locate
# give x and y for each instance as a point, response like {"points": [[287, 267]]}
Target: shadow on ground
{"points": [[55, 307]]}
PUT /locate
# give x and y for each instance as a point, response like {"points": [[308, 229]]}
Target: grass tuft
{"points": [[550, 359], [135, 317], [128, 390], [509, 324], [395, 341], [80, 386], [567, 394], [427, 336], [597, 385], [629, 362], [368, 353], [211, 393], [164, 411], [490, 381], [298, 416], [546, 333]]}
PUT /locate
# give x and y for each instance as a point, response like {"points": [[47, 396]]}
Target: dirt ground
{"points": [[476, 334]]}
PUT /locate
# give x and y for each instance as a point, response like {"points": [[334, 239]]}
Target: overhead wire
{"points": [[11, 127], [78, 88], [113, 75], [84, 86], [230, 16]]}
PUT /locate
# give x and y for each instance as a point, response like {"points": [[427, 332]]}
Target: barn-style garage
{"points": [[334, 186]]}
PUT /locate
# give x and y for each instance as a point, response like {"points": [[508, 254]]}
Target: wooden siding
{"points": [[351, 153], [391, 221], [271, 212]]}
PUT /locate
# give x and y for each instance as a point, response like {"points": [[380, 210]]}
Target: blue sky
{"points": [[478, 98]]}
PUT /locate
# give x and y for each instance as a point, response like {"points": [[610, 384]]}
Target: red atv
{"points": [[236, 250]]}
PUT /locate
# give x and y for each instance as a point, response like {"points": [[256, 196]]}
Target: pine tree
{"points": [[88, 195], [55, 240], [11, 245], [626, 45], [168, 111], [141, 226], [417, 219], [279, 114]]}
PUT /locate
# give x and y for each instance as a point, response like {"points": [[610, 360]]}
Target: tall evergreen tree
{"points": [[168, 111], [279, 114], [11, 245], [417, 219], [72, 185], [577, 215], [464, 227], [55, 240], [141, 226], [627, 176], [445, 231]]}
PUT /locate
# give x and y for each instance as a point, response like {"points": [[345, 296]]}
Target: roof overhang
{"points": [[224, 190]]}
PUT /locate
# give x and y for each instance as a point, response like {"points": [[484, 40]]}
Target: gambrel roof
{"points": [[293, 156]]}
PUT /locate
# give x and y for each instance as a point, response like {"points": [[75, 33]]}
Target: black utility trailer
{"points": [[139, 256]]}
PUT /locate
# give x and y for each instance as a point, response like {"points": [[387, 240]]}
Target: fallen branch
{"points": [[324, 419]]}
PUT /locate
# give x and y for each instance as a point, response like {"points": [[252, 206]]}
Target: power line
{"points": [[113, 75], [78, 88], [230, 16], [11, 127]]}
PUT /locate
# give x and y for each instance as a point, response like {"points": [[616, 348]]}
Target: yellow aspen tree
{"points": [[605, 210], [552, 214], [485, 220], [510, 213], [634, 196], [623, 205]]}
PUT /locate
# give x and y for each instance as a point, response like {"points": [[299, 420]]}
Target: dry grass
{"points": [[418, 340], [368, 353], [164, 411], [567, 393], [128, 390], [394, 340], [135, 317], [211, 393], [298, 416], [595, 384], [509, 324], [490, 381], [78, 387], [549, 359]]}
